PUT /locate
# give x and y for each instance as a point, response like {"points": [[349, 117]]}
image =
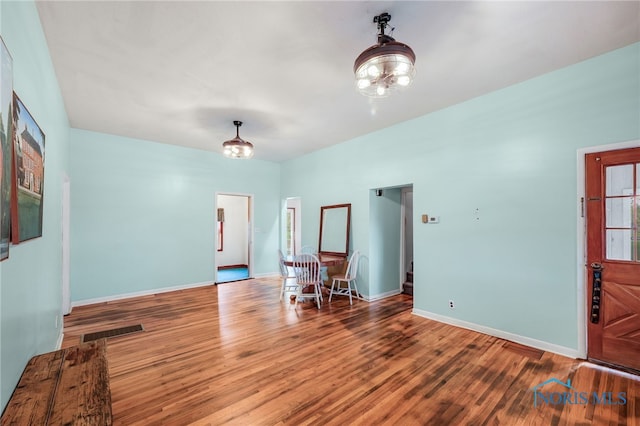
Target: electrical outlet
{"points": [[451, 304]]}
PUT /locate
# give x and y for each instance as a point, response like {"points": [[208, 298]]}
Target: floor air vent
{"points": [[111, 333]]}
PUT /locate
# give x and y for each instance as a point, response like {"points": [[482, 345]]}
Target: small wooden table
{"points": [[325, 260]]}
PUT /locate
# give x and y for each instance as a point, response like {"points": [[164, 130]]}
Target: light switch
{"points": [[434, 219], [425, 218]]}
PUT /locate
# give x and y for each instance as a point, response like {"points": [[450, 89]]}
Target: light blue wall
{"points": [[142, 213], [143, 218], [31, 278], [510, 154]]}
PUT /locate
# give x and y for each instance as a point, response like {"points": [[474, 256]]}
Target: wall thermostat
{"points": [[430, 219]]}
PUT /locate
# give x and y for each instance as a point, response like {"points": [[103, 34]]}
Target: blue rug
{"points": [[233, 274]]}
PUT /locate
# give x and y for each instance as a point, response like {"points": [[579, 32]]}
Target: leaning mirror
{"points": [[334, 229]]}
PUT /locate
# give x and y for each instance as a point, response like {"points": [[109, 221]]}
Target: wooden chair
{"points": [[288, 279], [349, 278], [307, 270]]}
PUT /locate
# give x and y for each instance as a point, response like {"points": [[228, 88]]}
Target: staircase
{"points": [[407, 286]]}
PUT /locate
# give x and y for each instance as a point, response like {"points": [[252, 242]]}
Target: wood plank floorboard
{"points": [[235, 354]]}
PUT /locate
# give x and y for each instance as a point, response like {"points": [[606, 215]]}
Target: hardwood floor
{"points": [[235, 354]]}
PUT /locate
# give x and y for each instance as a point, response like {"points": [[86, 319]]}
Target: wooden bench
{"points": [[65, 387]]}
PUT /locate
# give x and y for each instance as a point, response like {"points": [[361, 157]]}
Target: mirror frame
{"points": [[346, 248]]}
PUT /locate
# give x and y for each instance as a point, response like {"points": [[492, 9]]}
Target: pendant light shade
{"points": [[386, 66], [237, 147]]}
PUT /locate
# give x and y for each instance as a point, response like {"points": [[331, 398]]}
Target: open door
{"points": [[613, 257]]}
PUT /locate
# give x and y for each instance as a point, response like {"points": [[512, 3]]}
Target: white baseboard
{"points": [[59, 342], [381, 295], [523, 340], [203, 284], [138, 294]]}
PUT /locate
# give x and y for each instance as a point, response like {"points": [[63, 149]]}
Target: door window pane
{"points": [[620, 245], [637, 225], [619, 212], [619, 180]]}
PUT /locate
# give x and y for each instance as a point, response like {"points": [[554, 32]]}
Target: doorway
{"points": [[389, 256], [612, 206], [234, 237]]}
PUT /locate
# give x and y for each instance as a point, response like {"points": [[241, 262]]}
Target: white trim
{"points": [[381, 295], [582, 246], [252, 234], [528, 341], [138, 294], [237, 194], [296, 204], [65, 226], [610, 370], [403, 237], [59, 342]]}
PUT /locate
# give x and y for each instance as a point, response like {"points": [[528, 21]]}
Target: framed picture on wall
{"points": [[28, 176], [6, 106]]}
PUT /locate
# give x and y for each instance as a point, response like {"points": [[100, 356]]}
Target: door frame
{"points": [[66, 246], [582, 241], [403, 233], [250, 234]]}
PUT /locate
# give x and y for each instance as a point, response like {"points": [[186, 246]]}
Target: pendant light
{"points": [[386, 66], [237, 147]]}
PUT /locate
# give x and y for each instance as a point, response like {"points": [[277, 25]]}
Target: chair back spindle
{"points": [[307, 270], [352, 267]]}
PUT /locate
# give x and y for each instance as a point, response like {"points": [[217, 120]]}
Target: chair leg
{"points": [[337, 288], [333, 283], [318, 296], [357, 292], [282, 288], [287, 286], [298, 295]]}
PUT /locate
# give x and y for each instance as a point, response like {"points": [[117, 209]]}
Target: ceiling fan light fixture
{"points": [[237, 147], [385, 66]]}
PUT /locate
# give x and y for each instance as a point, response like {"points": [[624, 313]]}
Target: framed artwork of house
{"points": [[28, 176]]}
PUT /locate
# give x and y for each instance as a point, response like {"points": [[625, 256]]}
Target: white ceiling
{"points": [[180, 72]]}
